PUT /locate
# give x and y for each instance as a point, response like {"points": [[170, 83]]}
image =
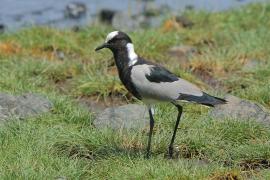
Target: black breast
{"points": [[125, 77], [124, 71]]}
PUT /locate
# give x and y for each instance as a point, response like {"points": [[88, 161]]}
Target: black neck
{"points": [[122, 62], [121, 59]]}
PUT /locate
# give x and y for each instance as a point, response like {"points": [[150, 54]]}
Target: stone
{"points": [[2, 28], [94, 107], [75, 10], [76, 28], [23, 106], [61, 178], [184, 21], [127, 22], [130, 116], [106, 16], [59, 54], [189, 7], [240, 109], [151, 9]]}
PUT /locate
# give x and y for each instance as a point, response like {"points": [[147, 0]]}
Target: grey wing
{"points": [[163, 91]]}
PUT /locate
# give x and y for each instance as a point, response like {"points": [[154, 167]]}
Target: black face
{"points": [[117, 42]]}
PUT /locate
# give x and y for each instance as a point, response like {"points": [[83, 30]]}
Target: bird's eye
{"points": [[112, 41]]}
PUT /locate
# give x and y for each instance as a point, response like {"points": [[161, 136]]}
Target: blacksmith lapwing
{"points": [[151, 83]]}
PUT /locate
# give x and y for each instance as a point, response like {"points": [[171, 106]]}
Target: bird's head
{"points": [[115, 40]]}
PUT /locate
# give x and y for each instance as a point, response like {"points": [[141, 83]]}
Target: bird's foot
{"points": [[147, 155], [172, 153]]}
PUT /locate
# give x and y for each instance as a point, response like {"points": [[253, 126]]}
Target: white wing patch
{"points": [[111, 35], [133, 57], [164, 91]]}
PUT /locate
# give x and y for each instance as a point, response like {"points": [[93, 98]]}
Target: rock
{"points": [[59, 54], [76, 28], [127, 22], [2, 28], [165, 9], [22, 106], [75, 10], [131, 116], [106, 15], [61, 178], [240, 109], [184, 21], [189, 7], [151, 9], [94, 107]]}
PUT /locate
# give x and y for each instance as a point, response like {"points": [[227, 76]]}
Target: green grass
{"points": [[64, 143]]}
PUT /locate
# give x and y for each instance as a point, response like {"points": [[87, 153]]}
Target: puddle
{"points": [[16, 14]]}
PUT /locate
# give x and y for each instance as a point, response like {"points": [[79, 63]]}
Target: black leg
{"points": [[150, 133], [179, 108]]}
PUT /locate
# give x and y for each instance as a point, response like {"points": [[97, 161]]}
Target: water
{"points": [[15, 14]]}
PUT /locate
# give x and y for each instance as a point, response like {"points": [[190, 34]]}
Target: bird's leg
{"points": [[179, 108], [150, 133]]}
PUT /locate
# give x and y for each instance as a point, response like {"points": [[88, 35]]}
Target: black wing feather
{"points": [[205, 99], [159, 74]]}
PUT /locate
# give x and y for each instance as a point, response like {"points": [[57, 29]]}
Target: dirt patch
{"points": [[132, 145], [171, 25], [176, 23], [255, 164], [249, 167], [64, 86], [187, 152], [9, 48], [96, 104], [74, 150], [226, 176], [206, 76], [206, 42], [78, 152], [180, 55]]}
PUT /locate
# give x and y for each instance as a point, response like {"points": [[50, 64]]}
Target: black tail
{"points": [[209, 100], [205, 99]]}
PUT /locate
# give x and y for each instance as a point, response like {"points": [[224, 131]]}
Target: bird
{"points": [[153, 83]]}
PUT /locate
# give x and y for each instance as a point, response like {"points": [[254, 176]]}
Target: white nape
{"points": [[133, 57], [153, 110], [111, 35]]}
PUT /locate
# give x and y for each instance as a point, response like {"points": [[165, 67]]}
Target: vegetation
{"points": [[62, 65]]}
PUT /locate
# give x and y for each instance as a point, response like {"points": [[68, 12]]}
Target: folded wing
{"points": [[157, 83]]}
